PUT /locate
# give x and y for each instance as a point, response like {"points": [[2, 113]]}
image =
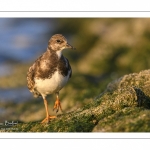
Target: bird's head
{"points": [[58, 42]]}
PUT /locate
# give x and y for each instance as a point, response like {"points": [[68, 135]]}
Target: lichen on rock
{"points": [[122, 107]]}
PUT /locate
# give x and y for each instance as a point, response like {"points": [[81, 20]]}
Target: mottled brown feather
{"points": [[45, 66]]}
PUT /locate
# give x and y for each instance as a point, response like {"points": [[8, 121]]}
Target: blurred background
{"points": [[106, 49]]}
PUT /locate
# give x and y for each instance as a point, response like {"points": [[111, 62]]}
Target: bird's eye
{"points": [[58, 41]]}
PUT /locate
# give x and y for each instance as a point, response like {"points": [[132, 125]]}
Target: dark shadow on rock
{"points": [[142, 99]]}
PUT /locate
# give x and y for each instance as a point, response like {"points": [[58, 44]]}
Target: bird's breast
{"points": [[51, 85]]}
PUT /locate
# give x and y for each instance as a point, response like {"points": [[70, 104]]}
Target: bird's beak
{"points": [[69, 46]]}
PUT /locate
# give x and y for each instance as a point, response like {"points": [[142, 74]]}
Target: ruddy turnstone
{"points": [[50, 72]]}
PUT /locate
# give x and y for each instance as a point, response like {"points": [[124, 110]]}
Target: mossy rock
{"points": [[123, 107]]}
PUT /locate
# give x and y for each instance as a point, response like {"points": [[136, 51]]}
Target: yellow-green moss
{"points": [[123, 109]]}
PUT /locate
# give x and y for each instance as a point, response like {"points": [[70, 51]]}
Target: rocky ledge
{"points": [[123, 107]]}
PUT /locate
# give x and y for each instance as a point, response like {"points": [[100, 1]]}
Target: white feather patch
{"points": [[52, 85]]}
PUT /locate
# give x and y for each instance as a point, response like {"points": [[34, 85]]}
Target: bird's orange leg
{"points": [[48, 117], [57, 104]]}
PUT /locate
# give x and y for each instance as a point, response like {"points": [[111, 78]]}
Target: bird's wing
{"points": [[31, 74], [30, 77], [69, 67]]}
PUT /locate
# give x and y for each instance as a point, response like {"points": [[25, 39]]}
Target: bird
{"points": [[50, 73]]}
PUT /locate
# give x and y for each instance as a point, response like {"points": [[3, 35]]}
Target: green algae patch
{"points": [[122, 107]]}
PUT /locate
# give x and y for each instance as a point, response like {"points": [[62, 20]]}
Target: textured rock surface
{"points": [[122, 107]]}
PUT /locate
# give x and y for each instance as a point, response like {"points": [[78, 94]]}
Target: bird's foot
{"points": [[47, 119], [57, 105]]}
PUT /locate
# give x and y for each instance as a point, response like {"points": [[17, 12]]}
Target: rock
{"points": [[122, 107]]}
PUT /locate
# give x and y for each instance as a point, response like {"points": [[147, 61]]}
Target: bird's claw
{"points": [[56, 110], [47, 119], [57, 106]]}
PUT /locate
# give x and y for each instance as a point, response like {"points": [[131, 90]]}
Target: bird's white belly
{"points": [[52, 85]]}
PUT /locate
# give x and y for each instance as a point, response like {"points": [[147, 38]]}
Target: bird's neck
{"points": [[58, 53]]}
